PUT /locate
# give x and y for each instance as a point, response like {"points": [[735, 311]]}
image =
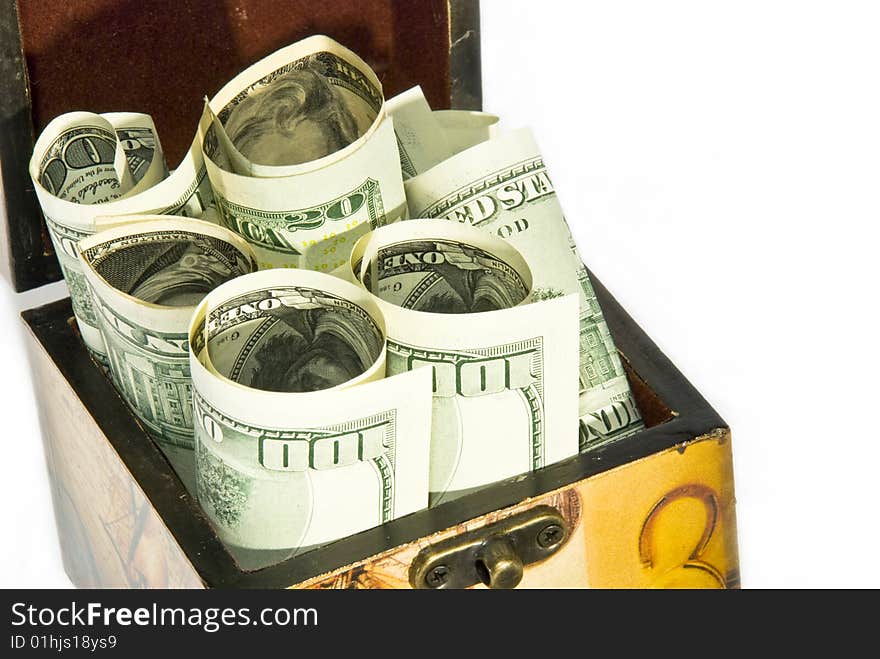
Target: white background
{"points": [[720, 165]]}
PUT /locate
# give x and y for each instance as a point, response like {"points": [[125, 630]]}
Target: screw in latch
{"points": [[550, 535], [437, 576]]}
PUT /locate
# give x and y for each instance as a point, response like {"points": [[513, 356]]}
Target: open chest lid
{"points": [[164, 56]]}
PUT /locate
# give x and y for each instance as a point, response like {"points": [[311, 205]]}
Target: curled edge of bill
{"points": [[467, 128], [166, 196], [115, 227], [241, 167]]}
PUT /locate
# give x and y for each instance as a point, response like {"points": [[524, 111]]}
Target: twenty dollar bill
{"points": [[302, 156]]}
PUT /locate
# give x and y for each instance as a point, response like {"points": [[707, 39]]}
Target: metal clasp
{"points": [[494, 555]]}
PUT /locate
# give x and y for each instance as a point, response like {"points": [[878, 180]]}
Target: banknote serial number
{"points": [[61, 642]]}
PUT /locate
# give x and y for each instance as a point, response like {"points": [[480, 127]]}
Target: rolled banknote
{"points": [[502, 187], [466, 128], [86, 165], [146, 278], [299, 439], [301, 155], [421, 140], [504, 372]]}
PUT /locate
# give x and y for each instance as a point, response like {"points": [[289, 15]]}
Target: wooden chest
{"points": [[654, 510]]}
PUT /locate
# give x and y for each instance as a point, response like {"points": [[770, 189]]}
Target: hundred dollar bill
{"points": [[86, 165], [146, 278], [466, 128], [504, 372], [302, 156], [421, 140], [502, 187], [299, 439]]}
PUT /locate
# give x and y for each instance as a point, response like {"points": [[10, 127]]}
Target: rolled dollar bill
{"points": [[502, 187], [299, 439], [146, 278], [82, 160], [504, 372], [86, 165], [301, 155]]}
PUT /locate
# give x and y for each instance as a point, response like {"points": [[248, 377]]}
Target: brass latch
{"points": [[494, 554]]}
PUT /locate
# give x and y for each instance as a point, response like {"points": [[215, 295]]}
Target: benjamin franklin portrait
{"points": [[313, 349], [470, 291]]}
